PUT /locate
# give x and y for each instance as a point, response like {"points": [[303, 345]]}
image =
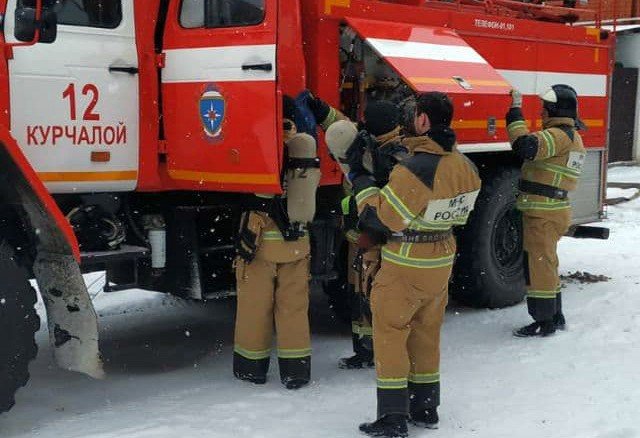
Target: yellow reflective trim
{"points": [[352, 236], [276, 236], [413, 262], [397, 204], [555, 168], [544, 294], [549, 206], [330, 119], [357, 328], [424, 377], [422, 225], [252, 354], [405, 247], [345, 205], [551, 143], [364, 194], [516, 125], [401, 383], [284, 353]]}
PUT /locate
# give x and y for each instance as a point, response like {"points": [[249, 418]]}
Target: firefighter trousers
{"points": [[272, 293], [542, 231], [361, 268], [408, 306]]}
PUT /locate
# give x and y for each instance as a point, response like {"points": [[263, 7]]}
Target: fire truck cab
{"points": [[132, 131]]}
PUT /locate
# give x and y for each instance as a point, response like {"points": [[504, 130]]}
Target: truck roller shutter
{"points": [[431, 58]]}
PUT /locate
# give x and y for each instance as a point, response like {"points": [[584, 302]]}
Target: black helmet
{"points": [[381, 117], [561, 101]]}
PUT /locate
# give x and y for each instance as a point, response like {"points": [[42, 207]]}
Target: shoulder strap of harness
{"points": [[424, 166], [303, 163], [569, 130]]}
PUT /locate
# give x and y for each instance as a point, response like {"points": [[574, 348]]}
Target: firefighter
{"points": [[427, 194], [382, 121], [272, 270], [384, 152], [340, 134], [553, 159]]}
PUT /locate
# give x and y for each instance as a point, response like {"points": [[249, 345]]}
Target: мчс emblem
{"points": [[212, 109]]}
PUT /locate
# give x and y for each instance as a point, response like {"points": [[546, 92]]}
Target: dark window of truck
{"points": [[90, 13], [221, 13]]}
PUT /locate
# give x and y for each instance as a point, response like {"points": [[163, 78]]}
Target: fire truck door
{"points": [[74, 102], [219, 95]]}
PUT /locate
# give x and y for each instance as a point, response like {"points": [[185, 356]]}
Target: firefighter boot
{"points": [[427, 419], [558, 318], [392, 425], [363, 357], [542, 328], [424, 399], [295, 372], [250, 370], [393, 409]]}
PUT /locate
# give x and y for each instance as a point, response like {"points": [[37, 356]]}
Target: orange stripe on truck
{"points": [[229, 178], [330, 4], [450, 81], [475, 124], [122, 175]]}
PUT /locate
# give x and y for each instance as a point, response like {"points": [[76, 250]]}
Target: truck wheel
{"points": [[489, 270], [18, 325]]}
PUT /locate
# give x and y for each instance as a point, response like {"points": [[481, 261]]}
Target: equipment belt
{"points": [[421, 236], [535, 188]]}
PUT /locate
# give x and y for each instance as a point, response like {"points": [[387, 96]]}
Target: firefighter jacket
{"points": [[553, 160], [430, 192]]}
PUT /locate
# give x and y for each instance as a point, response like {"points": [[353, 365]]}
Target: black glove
{"points": [[371, 225], [355, 155], [384, 160], [318, 107], [289, 108]]}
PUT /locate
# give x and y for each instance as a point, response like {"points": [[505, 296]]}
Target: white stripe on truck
{"points": [[219, 64], [417, 50], [532, 82]]}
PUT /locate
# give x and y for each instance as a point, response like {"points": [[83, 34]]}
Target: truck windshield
{"points": [[221, 13], [90, 13]]}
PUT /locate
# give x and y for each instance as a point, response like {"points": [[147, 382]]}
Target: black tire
{"points": [[489, 271], [18, 324]]}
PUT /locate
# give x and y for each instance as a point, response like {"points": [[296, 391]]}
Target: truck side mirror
{"points": [[26, 25]]}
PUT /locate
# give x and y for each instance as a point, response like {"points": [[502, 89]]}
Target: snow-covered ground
{"points": [[169, 367]]}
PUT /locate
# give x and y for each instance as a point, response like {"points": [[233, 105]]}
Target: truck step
{"points": [[121, 265], [124, 253]]}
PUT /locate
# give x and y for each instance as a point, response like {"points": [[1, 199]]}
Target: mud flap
{"points": [[72, 320]]}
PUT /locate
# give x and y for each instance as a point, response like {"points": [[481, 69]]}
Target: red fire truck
{"points": [[131, 132]]}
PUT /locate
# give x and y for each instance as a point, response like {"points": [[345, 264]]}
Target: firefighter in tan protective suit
{"points": [[553, 159], [272, 270], [426, 196]]}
